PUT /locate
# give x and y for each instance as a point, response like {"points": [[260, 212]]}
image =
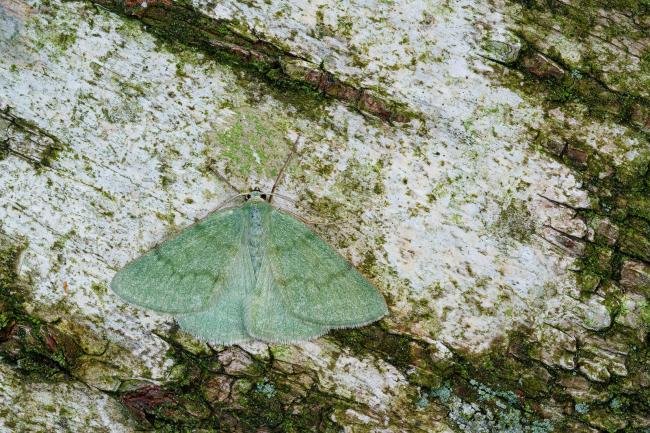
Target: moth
{"points": [[251, 272]]}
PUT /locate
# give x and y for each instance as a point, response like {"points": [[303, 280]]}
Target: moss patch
{"points": [[23, 134], [209, 395], [234, 43], [251, 146]]}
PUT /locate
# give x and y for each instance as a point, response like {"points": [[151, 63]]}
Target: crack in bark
{"points": [[182, 23], [28, 139]]}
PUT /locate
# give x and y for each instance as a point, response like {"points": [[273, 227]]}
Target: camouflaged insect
{"points": [[251, 272]]}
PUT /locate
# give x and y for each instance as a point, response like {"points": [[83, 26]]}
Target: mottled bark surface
{"points": [[484, 164]]}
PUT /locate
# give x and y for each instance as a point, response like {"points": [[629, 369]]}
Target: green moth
{"points": [[251, 272]]}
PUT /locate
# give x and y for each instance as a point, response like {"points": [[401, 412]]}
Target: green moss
{"points": [[639, 205], [324, 169], [367, 265], [99, 288], [597, 265], [65, 40], [37, 350], [11, 293], [645, 313], [577, 84], [515, 222], [324, 207], [251, 145], [169, 218], [49, 155], [62, 240], [233, 43], [582, 23], [358, 182], [395, 349], [495, 390], [262, 397], [5, 320], [52, 149], [635, 243], [166, 181]]}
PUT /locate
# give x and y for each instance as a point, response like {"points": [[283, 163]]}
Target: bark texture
{"points": [[486, 165]]}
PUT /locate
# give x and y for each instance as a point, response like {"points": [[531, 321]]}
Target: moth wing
{"points": [[268, 319], [316, 283], [185, 273], [223, 321]]}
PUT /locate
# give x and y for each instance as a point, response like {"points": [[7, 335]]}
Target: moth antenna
{"points": [[293, 150], [222, 205], [283, 197], [222, 178]]}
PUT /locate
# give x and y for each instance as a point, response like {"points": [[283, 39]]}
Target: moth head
{"points": [[257, 195]]}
